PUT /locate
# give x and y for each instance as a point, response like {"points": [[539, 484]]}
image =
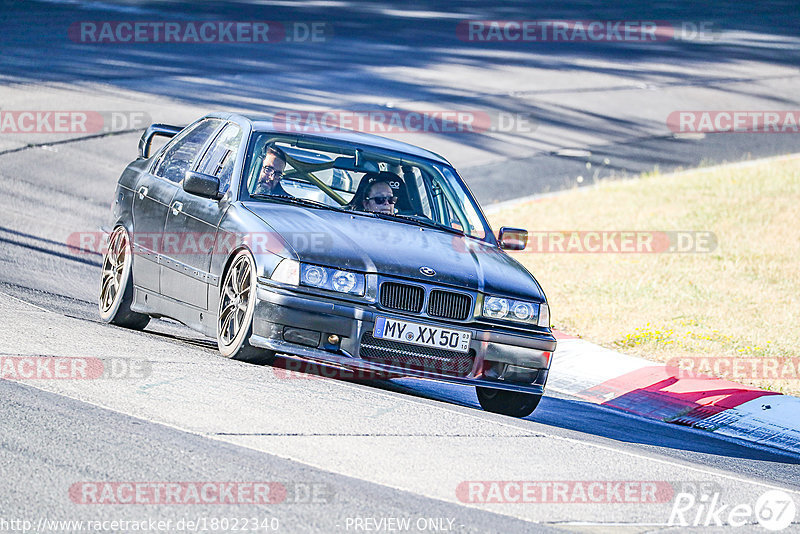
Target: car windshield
{"points": [[369, 182]]}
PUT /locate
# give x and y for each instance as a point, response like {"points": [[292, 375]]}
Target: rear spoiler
{"points": [[164, 130]]}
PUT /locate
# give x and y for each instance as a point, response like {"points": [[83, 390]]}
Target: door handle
{"points": [[177, 207], [143, 192]]}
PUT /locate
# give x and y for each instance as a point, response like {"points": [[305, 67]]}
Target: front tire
{"points": [[512, 403], [116, 284], [237, 302]]}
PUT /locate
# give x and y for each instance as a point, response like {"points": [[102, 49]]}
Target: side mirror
{"points": [[512, 238], [203, 185]]}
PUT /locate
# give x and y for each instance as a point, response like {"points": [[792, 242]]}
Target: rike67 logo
{"points": [[774, 510]]}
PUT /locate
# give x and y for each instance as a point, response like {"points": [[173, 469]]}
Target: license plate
{"points": [[424, 335]]}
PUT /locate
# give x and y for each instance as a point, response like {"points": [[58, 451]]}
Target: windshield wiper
{"points": [[419, 221], [297, 200]]}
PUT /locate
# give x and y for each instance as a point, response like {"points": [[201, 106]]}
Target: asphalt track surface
{"points": [[375, 450]]}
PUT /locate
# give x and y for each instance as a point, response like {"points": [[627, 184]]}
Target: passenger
{"points": [[269, 180], [378, 195], [380, 198]]}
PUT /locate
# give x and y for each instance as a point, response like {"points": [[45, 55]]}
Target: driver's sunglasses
{"points": [[272, 171], [383, 200]]}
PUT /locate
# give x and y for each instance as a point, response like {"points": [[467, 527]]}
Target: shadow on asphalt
{"points": [[569, 414]]}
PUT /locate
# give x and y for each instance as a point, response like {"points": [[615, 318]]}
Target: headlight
{"points": [[523, 311], [344, 281], [517, 311], [287, 272], [314, 276], [332, 279], [496, 308]]}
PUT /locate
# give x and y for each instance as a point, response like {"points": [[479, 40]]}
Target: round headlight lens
{"points": [[495, 307], [314, 276], [343, 281], [522, 311]]}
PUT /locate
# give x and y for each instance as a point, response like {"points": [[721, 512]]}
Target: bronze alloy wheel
{"points": [[116, 284], [236, 307]]}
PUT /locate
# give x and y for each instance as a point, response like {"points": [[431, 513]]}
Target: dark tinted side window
{"points": [[221, 156], [179, 155]]}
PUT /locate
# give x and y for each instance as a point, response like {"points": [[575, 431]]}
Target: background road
{"points": [[603, 104], [397, 449]]}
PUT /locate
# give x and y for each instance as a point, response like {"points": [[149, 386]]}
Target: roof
{"points": [[264, 124]]}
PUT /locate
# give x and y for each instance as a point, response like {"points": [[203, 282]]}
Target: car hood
{"points": [[393, 248]]}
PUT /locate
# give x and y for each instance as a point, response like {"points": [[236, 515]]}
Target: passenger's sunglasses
{"points": [[383, 200], [272, 171]]}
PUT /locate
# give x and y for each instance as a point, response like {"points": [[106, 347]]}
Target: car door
{"points": [[150, 203], [154, 193], [185, 273]]}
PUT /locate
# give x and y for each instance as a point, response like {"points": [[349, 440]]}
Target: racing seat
{"points": [[412, 194]]}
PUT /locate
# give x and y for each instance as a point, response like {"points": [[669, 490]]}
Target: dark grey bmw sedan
{"points": [[341, 248]]}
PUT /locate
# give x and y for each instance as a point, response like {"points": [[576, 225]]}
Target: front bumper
{"points": [[299, 325]]}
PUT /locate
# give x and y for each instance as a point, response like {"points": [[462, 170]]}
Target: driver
{"points": [[269, 180]]}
